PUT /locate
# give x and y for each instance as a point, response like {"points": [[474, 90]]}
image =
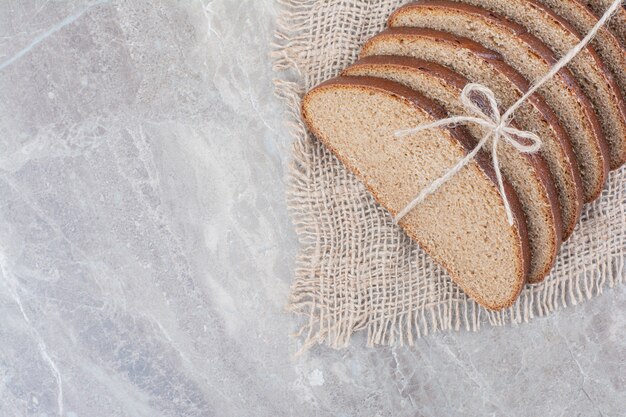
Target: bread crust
{"points": [[426, 105], [495, 60], [540, 169], [599, 142]]}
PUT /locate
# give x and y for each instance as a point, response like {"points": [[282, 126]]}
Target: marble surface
{"points": [[146, 253]]}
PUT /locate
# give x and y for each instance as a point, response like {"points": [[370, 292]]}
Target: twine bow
{"points": [[498, 126]]}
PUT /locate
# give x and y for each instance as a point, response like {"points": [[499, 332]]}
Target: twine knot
{"points": [[498, 125]]}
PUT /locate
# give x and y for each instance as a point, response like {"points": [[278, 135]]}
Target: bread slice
{"points": [[591, 73], [606, 42], [532, 59], [617, 24], [480, 65], [463, 225], [527, 174]]}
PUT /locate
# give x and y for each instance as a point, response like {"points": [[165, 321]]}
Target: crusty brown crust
{"points": [[540, 168], [496, 61], [543, 173], [450, 76], [465, 43], [426, 105], [542, 51]]}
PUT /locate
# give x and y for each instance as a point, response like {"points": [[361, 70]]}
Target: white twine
{"points": [[496, 124]]}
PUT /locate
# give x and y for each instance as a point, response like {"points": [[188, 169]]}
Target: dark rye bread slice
{"points": [[532, 59], [527, 174], [606, 43], [480, 65], [463, 225], [617, 24], [591, 73]]}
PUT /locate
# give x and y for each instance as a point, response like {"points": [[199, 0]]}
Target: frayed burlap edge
{"points": [[587, 264]]}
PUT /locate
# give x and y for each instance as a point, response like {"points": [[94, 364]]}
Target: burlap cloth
{"points": [[356, 270]]}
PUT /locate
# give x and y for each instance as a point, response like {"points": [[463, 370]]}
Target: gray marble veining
{"points": [[146, 252]]}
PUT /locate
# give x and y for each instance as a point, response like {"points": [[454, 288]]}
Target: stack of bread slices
{"points": [[413, 73]]}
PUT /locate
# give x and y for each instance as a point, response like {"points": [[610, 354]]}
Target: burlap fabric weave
{"points": [[357, 271]]}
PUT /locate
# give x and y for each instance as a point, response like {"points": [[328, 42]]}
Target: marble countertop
{"points": [[146, 253]]}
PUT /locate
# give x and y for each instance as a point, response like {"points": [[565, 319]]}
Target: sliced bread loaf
{"points": [[532, 59], [463, 225], [591, 73], [617, 24], [483, 66], [527, 174]]}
